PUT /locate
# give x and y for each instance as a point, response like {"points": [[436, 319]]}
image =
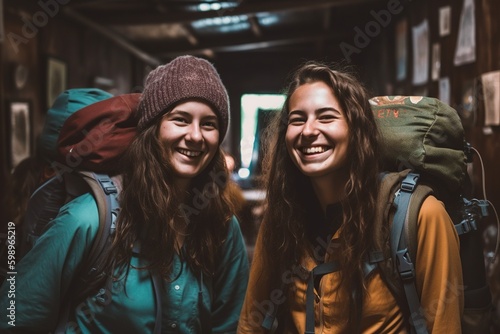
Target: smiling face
{"points": [[190, 137], [317, 135]]}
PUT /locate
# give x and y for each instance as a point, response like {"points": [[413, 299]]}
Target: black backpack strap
{"points": [[372, 263], [405, 220], [321, 269], [327, 268]]}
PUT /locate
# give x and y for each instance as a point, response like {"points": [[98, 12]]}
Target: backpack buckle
{"points": [[406, 268], [466, 225], [108, 186], [410, 182]]}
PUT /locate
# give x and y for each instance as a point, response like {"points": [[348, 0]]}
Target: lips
{"points": [[189, 153], [314, 149]]}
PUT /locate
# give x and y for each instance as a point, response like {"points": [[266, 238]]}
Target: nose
{"points": [[309, 128], [194, 132]]}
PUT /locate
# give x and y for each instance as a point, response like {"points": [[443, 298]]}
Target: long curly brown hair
{"points": [[154, 211], [283, 228]]}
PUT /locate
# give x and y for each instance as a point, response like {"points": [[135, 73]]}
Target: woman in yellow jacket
{"points": [[322, 187]]}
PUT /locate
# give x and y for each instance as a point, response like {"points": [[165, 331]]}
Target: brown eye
{"points": [[180, 120], [210, 125], [296, 120]]}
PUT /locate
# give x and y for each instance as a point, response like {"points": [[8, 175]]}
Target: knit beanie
{"points": [[63, 107], [184, 78]]}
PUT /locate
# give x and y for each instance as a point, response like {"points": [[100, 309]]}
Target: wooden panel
{"points": [[487, 59]]}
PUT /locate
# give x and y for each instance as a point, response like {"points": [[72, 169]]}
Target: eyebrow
{"points": [[317, 111], [189, 115], [177, 111]]}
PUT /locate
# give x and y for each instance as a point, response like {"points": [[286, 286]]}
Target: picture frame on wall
{"points": [[490, 82], [436, 61], [421, 53], [401, 49], [19, 114], [444, 21], [57, 78], [444, 90]]}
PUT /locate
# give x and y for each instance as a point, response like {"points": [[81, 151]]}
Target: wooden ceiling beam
{"points": [[247, 46], [119, 40], [254, 25], [140, 17]]}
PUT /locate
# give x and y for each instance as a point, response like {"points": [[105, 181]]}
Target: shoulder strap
{"points": [[106, 197], [407, 203], [319, 270], [420, 193]]}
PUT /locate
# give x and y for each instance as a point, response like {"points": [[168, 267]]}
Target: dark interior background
{"points": [[254, 44]]}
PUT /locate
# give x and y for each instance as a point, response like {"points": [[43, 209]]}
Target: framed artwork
{"points": [[491, 94], [444, 90], [444, 21], [57, 78], [465, 52], [421, 53], [401, 49], [19, 113], [436, 61]]}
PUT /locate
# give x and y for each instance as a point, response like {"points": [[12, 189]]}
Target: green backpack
{"points": [[425, 152]]}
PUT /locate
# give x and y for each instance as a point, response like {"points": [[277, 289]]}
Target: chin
{"points": [[187, 175]]}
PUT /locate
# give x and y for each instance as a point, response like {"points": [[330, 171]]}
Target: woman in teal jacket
{"points": [[177, 263]]}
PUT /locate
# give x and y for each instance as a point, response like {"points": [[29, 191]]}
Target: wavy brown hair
{"points": [[152, 212], [283, 229]]}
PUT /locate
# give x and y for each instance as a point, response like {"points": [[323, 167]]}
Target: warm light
{"points": [[243, 173], [220, 21], [205, 7]]}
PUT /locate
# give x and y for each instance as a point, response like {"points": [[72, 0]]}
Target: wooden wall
{"points": [[380, 65], [377, 65], [86, 54]]}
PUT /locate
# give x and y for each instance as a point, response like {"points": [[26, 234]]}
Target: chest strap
{"points": [[321, 269], [327, 268]]}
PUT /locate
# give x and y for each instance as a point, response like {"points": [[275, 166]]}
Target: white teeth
{"points": [[190, 153], [311, 150]]}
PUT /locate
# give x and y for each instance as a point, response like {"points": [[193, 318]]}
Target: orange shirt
{"points": [[438, 282]]}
